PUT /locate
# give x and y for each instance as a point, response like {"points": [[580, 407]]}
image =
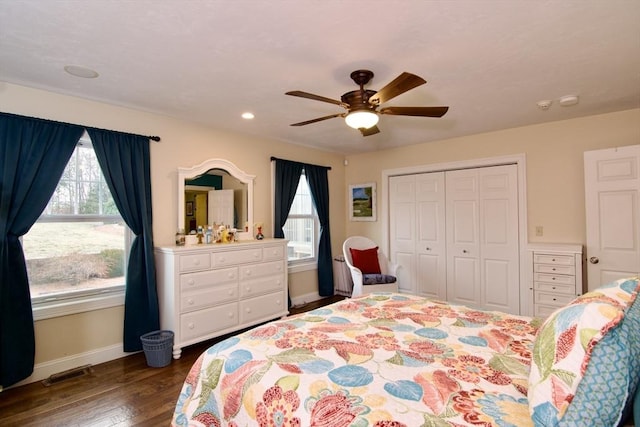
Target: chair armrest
{"points": [[393, 269]]}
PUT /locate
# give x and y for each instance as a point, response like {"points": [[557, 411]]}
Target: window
{"points": [[302, 226], [79, 246]]}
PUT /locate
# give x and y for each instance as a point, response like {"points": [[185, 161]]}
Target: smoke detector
{"points": [[568, 100], [544, 105]]}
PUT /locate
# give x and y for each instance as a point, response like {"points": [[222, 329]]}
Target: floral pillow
{"points": [[565, 343]]}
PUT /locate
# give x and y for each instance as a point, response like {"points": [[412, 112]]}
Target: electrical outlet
{"points": [[539, 230]]}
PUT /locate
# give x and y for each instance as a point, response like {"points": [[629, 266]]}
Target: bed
{"points": [[395, 360]]}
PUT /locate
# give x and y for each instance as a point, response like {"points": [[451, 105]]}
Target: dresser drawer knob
{"points": [[191, 325], [256, 255], [553, 278], [230, 292], [230, 315], [196, 262], [223, 259], [553, 287], [247, 273], [191, 282], [248, 310], [247, 288], [190, 301]]}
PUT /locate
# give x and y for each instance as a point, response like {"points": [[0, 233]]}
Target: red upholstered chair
{"points": [[370, 269]]}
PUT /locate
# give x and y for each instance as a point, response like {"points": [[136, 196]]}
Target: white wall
{"points": [[554, 179]]}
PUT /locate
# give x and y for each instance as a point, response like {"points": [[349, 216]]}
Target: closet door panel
{"points": [[402, 231], [499, 238], [430, 249], [462, 281], [463, 270]]}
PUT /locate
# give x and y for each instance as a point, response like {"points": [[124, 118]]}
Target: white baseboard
{"points": [[306, 298], [93, 357]]}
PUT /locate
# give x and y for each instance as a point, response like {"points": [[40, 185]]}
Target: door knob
{"points": [[594, 260]]}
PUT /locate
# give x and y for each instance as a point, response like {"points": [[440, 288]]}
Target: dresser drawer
{"points": [[554, 278], [262, 307], [555, 269], [195, 262], [556, 300], [208, 278], [540, 258], [248, 272], [273, 253], [204, 322], [555, 288], [544, 311], [226, 258], [261, 285], [207, 297]]}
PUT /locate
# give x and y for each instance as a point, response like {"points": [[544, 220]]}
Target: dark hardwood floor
{"points": [[123, 392]]}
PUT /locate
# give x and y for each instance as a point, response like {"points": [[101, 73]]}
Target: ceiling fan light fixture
{"points": [[361, 119]]}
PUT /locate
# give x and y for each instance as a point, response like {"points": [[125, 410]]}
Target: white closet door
{"points": [[402, 230], [431, 262], [482, 238], [612, 195], [463, 237], [499, 257]]}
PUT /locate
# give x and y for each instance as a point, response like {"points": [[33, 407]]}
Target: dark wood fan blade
{"points": [[371, 131], [319, 119], [415, 111], [401, 84], [307, 95]]}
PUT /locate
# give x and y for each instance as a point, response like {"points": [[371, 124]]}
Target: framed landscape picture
{"points": [[362, 202]]}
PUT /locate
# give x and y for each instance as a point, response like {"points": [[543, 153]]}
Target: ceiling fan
{"points": [[362, 104]]}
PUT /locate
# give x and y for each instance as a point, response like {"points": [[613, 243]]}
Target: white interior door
{"points": [[612, 192], [221, 207]]}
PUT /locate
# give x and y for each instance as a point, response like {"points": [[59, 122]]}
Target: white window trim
{"points": [[88, 301]]}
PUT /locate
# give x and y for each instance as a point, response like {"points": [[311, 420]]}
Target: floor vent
{"points": [[68, 374]]}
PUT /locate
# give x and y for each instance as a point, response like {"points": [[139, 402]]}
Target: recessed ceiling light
{"points": [[568, 100], [248, 115], [85, 73]]}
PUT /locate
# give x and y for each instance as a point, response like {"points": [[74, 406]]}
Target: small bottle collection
{"points": [[206, 235]]}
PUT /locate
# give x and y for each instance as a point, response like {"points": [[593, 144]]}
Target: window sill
{"points": [[299, 267], [48, 310]]}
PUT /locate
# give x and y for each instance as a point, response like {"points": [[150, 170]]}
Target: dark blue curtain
{"points": [[33, 155], [319, 186], [287, 178], [125, 163]]}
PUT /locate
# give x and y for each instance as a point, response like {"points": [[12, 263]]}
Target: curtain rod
{"points": [[153, 138], [300, 163]]}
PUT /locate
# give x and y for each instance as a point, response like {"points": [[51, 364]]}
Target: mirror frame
{"points": [[232, 169]]}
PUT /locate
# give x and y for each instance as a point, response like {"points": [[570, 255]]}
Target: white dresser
{"points": [[210, 290], [556, 275]]}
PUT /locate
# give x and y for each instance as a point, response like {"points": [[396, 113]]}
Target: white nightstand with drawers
{"points": [[556, 275]]}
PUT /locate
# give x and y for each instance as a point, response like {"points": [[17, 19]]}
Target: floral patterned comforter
{"points": [[378, 360]]}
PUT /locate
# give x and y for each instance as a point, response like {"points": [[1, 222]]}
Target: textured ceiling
{"points": [[209, 61]]}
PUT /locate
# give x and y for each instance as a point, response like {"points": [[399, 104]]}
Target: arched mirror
{"points": [[215, 191]]}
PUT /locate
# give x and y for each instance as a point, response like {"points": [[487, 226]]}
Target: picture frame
{"points": [[362, 202], [189, 209]]}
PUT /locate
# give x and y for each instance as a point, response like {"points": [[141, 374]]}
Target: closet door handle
{"points": [[464, 251], [594, 260]]}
